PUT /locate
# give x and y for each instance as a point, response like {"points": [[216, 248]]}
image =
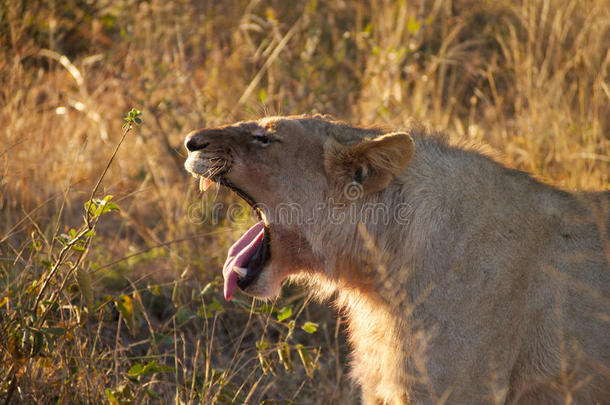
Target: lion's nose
{"points": [[192, 143]]}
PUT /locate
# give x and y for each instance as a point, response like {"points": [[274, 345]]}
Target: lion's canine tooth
{"points": [[204, 183], [242, 271]]}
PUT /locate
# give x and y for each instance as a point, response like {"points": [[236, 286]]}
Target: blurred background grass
{"points": [[139, 318]]}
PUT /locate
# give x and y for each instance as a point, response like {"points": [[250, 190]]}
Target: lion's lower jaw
{"points": [[266, 286]]}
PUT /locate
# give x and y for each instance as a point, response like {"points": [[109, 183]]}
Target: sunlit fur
{"points": [[493, 287]]}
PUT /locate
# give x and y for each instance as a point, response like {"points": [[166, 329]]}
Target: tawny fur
{"points": [[488, 287]]}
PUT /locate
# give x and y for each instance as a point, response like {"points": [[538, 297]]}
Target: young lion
{"points": [[464, 282]]}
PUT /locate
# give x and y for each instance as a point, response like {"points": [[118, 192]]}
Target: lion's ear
{"points": [[372, 163]]}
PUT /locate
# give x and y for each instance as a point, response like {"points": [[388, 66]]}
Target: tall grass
{"points": [[135, 314]]}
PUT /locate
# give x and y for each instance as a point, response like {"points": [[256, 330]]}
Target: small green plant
{"points": [[51, 297], [134, 116], [288, 344]]}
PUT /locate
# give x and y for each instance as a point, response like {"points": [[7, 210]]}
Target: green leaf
{"points": [[262, 95], [125, 306], [368, 29], [215, 306], [133, 116], [160, 339], [155, 290], [183, 314], [106, 205], [413, 25], [136, 369], [152, 394], [131, 313], [151, 367], [310, 327], [284, 313], [78, 248], [261, 345], [110, 396], [97, 207], [90, 207]]}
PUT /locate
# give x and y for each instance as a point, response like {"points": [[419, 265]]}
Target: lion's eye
{"points": [[264, 139]]}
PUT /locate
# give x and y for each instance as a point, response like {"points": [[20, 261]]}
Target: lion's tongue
{"points": [[240, 254]]}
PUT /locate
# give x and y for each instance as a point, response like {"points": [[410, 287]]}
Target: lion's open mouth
{"points": [[249, 255], [246, 259]]}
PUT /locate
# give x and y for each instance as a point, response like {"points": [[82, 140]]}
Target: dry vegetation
{"points": [[131, 312]]}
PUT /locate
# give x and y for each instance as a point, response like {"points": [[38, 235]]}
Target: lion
{"points": [[463, 281]]}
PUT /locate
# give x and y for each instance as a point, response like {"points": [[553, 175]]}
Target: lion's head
{"points": [[289, 169]]}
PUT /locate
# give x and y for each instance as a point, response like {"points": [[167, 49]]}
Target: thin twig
{"points": [[99, 180]]}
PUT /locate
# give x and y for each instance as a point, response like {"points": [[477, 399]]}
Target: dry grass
{"points": [[531, 78]]}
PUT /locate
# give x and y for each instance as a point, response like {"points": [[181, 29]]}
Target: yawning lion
{"points": [[464, 282]]}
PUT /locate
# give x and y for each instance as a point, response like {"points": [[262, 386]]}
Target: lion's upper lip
{"points": [[219, 176]]}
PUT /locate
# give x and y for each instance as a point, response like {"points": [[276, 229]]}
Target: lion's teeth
{"points": [[241, 271], [204, 184]]}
